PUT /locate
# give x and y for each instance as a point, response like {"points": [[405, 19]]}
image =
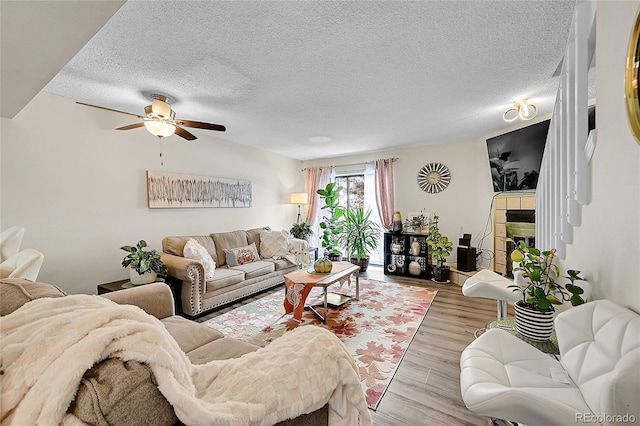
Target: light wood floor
{"points": [[426, 387]]}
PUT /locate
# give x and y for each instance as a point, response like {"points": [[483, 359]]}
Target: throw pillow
{"points": [[273, 243], [196, 251], [241, 255]]}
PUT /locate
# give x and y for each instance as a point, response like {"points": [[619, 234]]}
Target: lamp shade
{"points": [[159, 128], [299, 198]]}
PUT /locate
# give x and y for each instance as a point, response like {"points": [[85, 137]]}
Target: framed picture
{"points": [[175, 190]]}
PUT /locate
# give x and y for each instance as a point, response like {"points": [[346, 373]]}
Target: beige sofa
{"points": [[198, 295], [125, 393]]}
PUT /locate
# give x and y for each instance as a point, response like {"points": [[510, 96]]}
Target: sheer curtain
{"points": [[316, 177], [384, 190], [377, 256]]}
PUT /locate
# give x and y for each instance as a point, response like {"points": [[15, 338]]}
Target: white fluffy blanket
{"points": [[48, 344]]}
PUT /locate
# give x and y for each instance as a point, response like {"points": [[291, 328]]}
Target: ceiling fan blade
{"points": [[184, 134], [131, 126], [201, 125], [108, 109]]}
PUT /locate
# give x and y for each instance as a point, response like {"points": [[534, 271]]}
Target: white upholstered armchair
{"points": [[10, 240], [25, 264], [597, 377]]}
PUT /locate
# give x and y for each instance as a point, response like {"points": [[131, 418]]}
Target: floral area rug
{"points": [[376, 330]]}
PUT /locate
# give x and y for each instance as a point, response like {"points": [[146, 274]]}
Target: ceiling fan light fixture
{"points": [[159, 128], [521, 108]]}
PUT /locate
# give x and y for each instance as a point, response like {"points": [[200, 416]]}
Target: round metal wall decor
{"points": [[434, 177]]}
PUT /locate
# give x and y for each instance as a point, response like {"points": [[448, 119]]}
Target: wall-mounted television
{"points": [[515, 157]]}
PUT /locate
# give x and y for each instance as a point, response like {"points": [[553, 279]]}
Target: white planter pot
{"points": [[533, 324], [146, 278]]}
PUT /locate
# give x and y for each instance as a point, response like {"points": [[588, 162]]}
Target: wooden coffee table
{"points": [[300, 283]]}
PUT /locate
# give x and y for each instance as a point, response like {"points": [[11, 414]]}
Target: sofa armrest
{"points": [[179, 267], [155, 299], [193, 283]]}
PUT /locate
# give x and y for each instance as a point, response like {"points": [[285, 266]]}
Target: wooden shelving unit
{"points": [[398, 256]]}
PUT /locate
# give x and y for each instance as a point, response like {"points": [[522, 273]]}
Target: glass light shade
{"points": [[299, 198], [160, 108], [159, 128]]}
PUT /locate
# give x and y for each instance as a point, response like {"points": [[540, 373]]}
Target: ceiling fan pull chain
{"points": [[161, 149]]}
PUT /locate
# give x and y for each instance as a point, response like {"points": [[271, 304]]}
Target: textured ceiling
{"points": [[368, 75]]}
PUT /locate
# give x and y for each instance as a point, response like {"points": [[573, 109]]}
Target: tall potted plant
{"points": [[439, 247], [541, 291], [360, 237], [144, 265], [332, 224]]}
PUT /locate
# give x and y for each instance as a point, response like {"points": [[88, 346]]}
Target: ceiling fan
{"points": [[160, 120]]}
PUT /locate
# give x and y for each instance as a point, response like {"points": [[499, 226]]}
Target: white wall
{"points": [[79, 188], [607, 245], [464, 206]]}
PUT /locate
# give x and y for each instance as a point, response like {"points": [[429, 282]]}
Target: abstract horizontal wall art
{"points": [[175, 190]]}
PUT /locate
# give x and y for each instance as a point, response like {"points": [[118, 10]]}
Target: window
{"points": [[358, 193], [352, 196]]}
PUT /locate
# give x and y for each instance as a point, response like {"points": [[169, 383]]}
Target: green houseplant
{"points": [[145, 265], [360, 237], [332, 225], [541, 290], [301, 230], [439, 247]]}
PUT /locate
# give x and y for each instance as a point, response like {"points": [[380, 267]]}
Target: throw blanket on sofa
{"points": [[48, 344]]}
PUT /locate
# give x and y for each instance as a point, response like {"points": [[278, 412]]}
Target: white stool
{"points": [[489, 285]]}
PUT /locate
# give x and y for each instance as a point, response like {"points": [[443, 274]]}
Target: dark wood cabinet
{"points": [[407, 254]]}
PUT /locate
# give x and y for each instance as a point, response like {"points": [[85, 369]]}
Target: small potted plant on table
{"points": [[332, 224], [541, 291], [439, 247], [360, 237], [144, 265]]}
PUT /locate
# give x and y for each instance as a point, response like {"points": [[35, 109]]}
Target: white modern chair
{"points": [[10, 240], [597, 377], [25, 264]]}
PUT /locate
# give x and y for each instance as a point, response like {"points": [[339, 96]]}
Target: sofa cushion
{"points": [[255, 269], [241, 255], [196, 251], [15, 292], [228, 240], [224, 277], [280, 264], [175, 245], [253, 236], [273, 243], [224, 348], [189, 334], [114, 392]]}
